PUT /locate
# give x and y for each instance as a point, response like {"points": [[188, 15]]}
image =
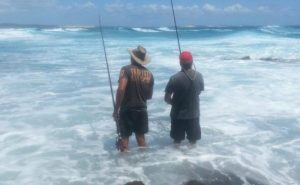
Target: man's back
{"points": [[186, 87], [139, 86], [182, 92]]}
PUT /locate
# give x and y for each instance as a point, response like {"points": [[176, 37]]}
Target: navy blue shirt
{"points": [[185, 87]]}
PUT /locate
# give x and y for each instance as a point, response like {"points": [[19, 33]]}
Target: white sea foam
{"points": [[216, 29], [54, 30], [49, 94], [75, 29], [145, 30], [278, 30], [15, 34], [56, 107], [165, 29]]}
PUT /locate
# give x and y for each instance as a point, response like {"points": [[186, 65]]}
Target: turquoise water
{"points": [[55, 106]]}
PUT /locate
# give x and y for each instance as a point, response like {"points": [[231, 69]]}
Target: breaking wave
{"points": [[14, 34], [165, 29], [145, 30], [55, 107]]}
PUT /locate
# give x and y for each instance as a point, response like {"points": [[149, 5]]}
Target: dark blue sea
{"points": [[55, 106]]}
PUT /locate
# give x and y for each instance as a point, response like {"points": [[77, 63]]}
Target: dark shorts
{"points": [[190, 127], [133, 121]]}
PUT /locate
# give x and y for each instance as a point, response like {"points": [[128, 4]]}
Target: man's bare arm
{"points": [[120, 96], [168, 98]]}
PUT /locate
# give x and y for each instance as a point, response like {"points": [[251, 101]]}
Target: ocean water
{"points": [[55, 107]]}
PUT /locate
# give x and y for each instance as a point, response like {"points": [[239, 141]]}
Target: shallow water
{"points": [[55, 107]]}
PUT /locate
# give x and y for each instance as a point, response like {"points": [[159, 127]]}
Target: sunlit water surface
{"points": [[55, 107]]}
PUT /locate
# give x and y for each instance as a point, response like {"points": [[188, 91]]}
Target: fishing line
{"points": [[107, 66], [163, 127], [110, 84], [175, 23]]}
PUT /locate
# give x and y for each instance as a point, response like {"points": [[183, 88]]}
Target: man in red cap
{"points": [[135, 88], [182, 92]]}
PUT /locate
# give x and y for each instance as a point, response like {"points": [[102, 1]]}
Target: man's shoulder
{"points": [[126, 67], [180, 75], [129, 67], [177, 75], [146, 69], [199, 74]]}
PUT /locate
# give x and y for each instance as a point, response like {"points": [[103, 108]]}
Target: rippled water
{"points": [[55, 107]]}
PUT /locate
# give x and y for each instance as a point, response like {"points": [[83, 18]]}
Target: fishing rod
{"points": [[118, 139], [175, 23], [107, 65]]}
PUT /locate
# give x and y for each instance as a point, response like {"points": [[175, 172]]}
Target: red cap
{"points": [[185, 57]]}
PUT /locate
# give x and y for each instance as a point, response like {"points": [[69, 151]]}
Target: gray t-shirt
{"points": [[185, 88], [139, 87]]}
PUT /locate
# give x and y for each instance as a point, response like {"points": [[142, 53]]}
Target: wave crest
{"points": [[144, 30], [165, 29]]}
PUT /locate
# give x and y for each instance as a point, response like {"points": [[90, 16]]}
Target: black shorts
{"points": [[133, 121], [190, 127]]}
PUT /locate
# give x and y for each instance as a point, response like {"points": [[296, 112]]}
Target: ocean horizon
{"points": [[14, 25]]}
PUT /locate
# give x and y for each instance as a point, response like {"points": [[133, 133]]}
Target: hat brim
{"points": [[138, 60]]}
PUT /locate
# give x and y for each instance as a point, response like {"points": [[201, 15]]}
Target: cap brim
{"points": [[138, 60]]}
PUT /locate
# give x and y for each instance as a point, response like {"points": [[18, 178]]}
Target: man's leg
{"points": [[177, 132], [125, 129], [192, 142], [193, 130], [124, 142], [140, 139], [140, 126], [177, 142]]}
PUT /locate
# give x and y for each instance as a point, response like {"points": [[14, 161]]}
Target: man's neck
{"points": [[137, 64]]}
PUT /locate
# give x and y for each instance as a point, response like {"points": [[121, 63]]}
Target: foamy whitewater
{"points": [[55, 107]]}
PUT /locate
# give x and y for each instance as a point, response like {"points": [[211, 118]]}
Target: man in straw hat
{"points": [[182, 92], [135, 88]]}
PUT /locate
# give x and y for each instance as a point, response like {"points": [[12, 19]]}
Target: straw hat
{"points": [[139, 55]]}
